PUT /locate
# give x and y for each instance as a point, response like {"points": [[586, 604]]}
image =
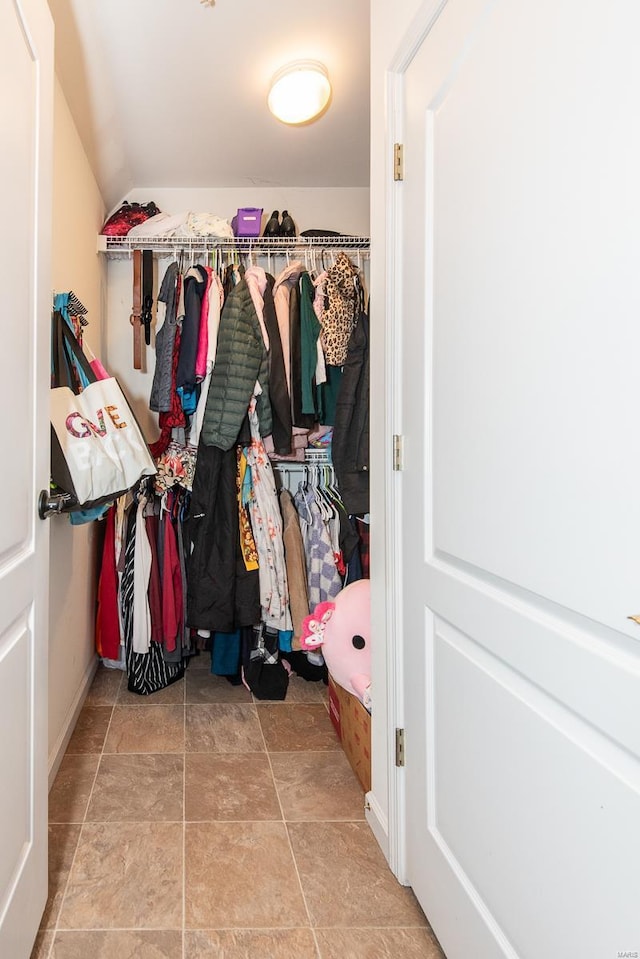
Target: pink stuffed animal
{"points": [[343, 630]]}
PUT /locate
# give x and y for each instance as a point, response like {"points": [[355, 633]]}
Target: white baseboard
{"points": [[60, 745], [378, 822]]}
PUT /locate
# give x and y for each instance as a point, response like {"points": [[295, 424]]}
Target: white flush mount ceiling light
{"points": [[299, 92]]}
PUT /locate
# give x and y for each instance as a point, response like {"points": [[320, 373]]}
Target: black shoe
{"points": [[288, 227], [272, 227]]}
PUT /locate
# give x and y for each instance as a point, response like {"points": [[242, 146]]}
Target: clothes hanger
{"points": [[333, 486], [324, 504]]}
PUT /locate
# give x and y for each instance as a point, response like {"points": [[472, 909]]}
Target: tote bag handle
{"points": [[67, 354]]}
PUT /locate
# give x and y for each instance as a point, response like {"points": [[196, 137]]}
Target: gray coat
{"points": [[161, 391], [241, 359]]}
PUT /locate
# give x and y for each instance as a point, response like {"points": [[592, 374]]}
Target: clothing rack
{"points": [[317, 457], [114, 246], [292, 472]]}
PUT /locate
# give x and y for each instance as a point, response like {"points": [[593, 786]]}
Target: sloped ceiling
{"points": [[173, 93]]}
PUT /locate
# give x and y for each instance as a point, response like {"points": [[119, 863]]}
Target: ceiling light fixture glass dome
{"points": [[300, 92]]}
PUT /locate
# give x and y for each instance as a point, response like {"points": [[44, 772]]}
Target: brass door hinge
{"points": [[399, 747], [398, 161], [398, 452]]}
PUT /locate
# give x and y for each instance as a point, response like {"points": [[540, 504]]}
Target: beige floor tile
{"points": [[378, 944], [91, 730], [169, 696], [139, 788], [301, 691], [105, 687], [63, 840], [223, 728], [42, 945], [250, 944], [297, 727], [346, 879], [202, 661], [119, 944], [241, 876], [317, 786], [229, 787], [70, 792], [146, 729], [126, 875], [203, 687]]}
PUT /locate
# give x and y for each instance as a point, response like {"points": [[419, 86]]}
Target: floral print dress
{"points": [[267, 531]]}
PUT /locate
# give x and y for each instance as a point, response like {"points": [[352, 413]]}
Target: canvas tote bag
{"points": [[97, 448]]}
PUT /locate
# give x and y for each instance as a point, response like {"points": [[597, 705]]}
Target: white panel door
{"points": [[26, 115], [520, 497]]}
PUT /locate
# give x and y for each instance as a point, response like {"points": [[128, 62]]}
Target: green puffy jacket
{"points": [[241, 359]]}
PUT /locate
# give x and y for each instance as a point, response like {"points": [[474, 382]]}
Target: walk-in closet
{"points": [[209, 781]]}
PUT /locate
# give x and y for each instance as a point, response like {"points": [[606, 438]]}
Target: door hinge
{"points": [[398, 161], [398, 452], [399, 747]]}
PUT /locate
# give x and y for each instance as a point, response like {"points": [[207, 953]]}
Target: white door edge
{"points": [[407, 49], [394, 650]]}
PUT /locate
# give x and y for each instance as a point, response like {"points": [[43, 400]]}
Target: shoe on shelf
{"points": [[288, 227], [272, 227]]}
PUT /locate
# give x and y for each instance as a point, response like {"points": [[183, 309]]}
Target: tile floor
{"points": [[199, 824]]}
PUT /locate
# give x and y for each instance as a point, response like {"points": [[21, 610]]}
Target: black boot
{"points": [[272, 227], [288, 227]]}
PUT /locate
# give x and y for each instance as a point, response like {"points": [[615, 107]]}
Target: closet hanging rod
{"points": [[174, 245]]}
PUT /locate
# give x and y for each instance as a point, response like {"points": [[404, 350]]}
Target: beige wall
{"points": [[77, 217]]}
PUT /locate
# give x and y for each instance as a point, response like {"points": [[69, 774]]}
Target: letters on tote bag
{"points": [[97, 448]]}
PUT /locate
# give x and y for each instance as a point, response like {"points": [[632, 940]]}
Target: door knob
{"points": [[50, 505]]}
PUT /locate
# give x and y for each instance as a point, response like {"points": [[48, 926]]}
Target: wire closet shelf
{"points": [[174, 245]]}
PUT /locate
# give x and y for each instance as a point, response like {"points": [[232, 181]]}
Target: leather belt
{"points": [[136, 312], [147, 293]]}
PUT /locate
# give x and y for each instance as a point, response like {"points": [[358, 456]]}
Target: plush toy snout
{"points": [[313, 626]]}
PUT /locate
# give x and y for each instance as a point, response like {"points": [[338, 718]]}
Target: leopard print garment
{"points": [[341, 311]]}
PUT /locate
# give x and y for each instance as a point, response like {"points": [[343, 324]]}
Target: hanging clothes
{"points": [[172, 585], [147, 672], [282, 287], [214, 309], [279, 393], [310, 327], [323, 577], [174, 417], [350, 445], [319, 304], [342, 309], [108, 632], [241, 361], [160, 399], [203, 330], [266, 523], [305, 421], [141, 627], [296, 565], [195, 284], [222, 594]]}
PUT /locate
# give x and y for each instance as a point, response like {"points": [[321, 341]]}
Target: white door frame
{"points": [[412, 40]]}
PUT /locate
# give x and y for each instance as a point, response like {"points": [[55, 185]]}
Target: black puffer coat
{"points": [[221, 593], [350, 445], [241, 359]]}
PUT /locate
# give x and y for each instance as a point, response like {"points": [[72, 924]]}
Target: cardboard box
{"points": [[352, 723]]}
